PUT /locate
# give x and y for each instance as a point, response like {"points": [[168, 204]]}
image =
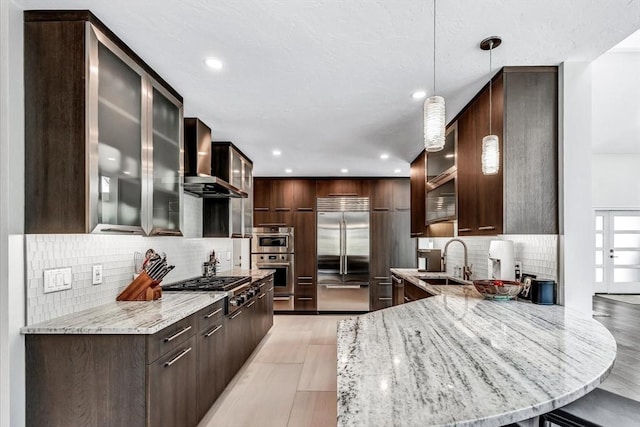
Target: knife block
{"points": [[142, 288]]}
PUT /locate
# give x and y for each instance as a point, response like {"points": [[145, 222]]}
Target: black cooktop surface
{"points": [[215, 283]]}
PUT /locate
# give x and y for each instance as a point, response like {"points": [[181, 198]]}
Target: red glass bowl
{"points": [[498, 289]]}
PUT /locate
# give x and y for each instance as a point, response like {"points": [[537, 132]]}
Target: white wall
{"points": [[12, 298], [616, 179], [577, 239]]}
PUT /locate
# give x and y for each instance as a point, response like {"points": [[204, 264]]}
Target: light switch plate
{"points": [[97, 274], [57, 279]]}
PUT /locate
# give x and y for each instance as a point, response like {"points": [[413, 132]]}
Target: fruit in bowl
{"points": [[498, 289]]}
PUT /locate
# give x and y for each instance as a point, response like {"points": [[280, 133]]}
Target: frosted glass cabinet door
{"points": [[167, 130], [119, 129]]}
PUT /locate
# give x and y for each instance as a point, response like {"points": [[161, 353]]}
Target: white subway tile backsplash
{"points": [[115, 253], [538, 253]]}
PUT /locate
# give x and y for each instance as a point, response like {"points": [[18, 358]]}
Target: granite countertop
{"points": [[462, 360], [129, 317]]}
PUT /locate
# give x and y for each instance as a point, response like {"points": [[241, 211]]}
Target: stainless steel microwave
{"points": [[272, 240]]}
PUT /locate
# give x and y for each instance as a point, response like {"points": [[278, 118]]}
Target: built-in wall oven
{"points": [[272, 249]]}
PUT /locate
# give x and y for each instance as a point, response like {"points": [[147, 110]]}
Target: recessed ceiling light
{"points": [[419, 94], [288, 171], [213, 63], [276, 153], [344, 170], [384, 156], [397, 170]]}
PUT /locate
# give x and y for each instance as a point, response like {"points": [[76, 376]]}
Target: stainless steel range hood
{"points": [[197, 164]]}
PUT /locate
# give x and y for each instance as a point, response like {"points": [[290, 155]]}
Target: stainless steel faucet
{"points": [[466, 269]]}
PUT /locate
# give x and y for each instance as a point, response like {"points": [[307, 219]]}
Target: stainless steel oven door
{"points": [[272, 240], [283, 277]]}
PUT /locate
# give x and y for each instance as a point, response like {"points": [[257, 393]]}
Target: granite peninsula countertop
{"points": [[138, 317], [457, 359]]}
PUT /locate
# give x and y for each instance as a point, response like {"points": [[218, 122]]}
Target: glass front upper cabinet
{"points": [[134, 145], [441, 164]]}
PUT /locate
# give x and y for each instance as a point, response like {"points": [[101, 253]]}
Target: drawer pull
{"points": [[305, 299], [213, 331], [406, 299], [418, 234], [236, 315], [251, 304], [282, 209], [385, 299], [381, 278], [261, 296], [305, 284], [305, 209], [385, 284], [403, 209], [262, 285], [342, 194], [463, 230], [381, 209], [486, 227], [270, 289], [305, 278], [178, 357], [395, 279], [177, 334], [213, 313], [261, 209]]}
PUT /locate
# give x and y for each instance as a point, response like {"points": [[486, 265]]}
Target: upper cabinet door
{"points": [[117, 112], [166, 163]]}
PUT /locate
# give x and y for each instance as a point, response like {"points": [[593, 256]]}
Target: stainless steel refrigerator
{"points": [[343, 254]]}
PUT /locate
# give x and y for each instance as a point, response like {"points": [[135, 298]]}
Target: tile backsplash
{"points": [[81, 251], [538, 253]]}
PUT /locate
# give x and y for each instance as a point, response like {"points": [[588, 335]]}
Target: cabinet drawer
{"points": [[383, 289], [209, 316], [305, 289], [305, 303], [170, 337]]}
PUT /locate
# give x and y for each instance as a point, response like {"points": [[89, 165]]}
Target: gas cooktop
{"points": [[216, 283]]}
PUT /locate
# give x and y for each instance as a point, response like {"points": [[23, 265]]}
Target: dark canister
{"points": [[543, 292]]}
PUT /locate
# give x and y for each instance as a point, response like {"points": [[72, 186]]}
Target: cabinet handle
{"points": [[168, 233], [251, 304], [463, 230], [305, 299], [403, 210], [118, 230], [305, 278], [395, 279], [486, 227], [342, 194], [270, 289], [305, 284], [418, 234], [177, 334], [236, 315], [261, 296], [213, 313], [178, 357], [282, 209], [385, 299], [381, 278], [272, 224], [261, 209], [305, 209], [262, 285], [406, 299], [213, 331], [385, 284], [381, 209]]}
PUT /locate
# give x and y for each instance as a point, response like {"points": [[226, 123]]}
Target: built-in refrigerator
{"points": [[343, 254]]}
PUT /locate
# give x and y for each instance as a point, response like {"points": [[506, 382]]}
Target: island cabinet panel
{"points": [[210, 358]]}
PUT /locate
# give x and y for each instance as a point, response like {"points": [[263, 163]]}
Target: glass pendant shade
{"points": [[490, 155], [434, 123]]}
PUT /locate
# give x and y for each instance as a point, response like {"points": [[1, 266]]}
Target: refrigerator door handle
{"points": [[344, 251], [341, 253]]}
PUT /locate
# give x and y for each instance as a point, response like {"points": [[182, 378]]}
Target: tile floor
{"points": [[289, 381]]}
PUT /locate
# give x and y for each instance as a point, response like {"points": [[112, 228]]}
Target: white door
{"points": [[617, 252]]}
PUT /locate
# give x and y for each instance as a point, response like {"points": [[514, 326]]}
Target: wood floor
{"points": [[290, 380], [624, 325]]}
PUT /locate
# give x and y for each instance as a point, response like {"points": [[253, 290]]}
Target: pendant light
{"points": [[434, 113], [490, 143]]}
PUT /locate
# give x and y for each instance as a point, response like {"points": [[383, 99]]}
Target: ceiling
{"points": [[328, 82]]}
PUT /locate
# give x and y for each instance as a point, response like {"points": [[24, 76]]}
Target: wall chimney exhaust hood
{"points": [[197, 164]]}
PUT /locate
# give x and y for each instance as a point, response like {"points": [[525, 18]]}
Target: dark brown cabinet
{"points": [[304, 195], [338, 187], [381, 242], [305, 292], [210, 357], [418, 190], [273, 202]]}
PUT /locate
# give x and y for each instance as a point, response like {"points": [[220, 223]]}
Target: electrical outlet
{"points": [[228, 256], [57, 279], [97, 274]]}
